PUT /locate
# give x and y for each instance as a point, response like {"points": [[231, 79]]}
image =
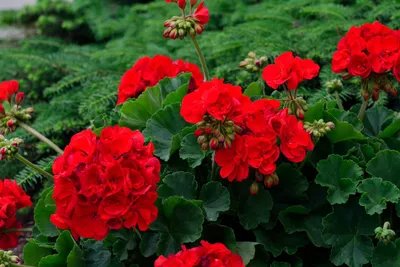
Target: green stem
{"points": [[138, 233], [40, 137], [363, 109], [34, 167], [339, 101], [201, 57], [13, 230]]}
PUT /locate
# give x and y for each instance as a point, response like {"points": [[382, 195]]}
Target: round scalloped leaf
{"points": [[386, 166], [178, 184], [386, 255], [215, 199], [191, 151], [375, 194], [256, 209], [340, 176], [375, 119]]}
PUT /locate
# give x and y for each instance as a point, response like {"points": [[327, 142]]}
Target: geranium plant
{"points": [[191, 171]]}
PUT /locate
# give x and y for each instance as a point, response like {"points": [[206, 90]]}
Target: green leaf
{"points": [[43, 210], [96, 255], [375, 194], [179, 221], [191, 151], [148, 244], [374, 120], [121, 248], [64, 245], [342, 131], [215, 199], [280, 264], [247, 250], [33, 253], [216, 233], [277, 240], [176, 96], [164, 129], [386, 255], [348, 235], [178, 184], [136, 112], [314, 112], [76, 258], [300, 219], [254, 89], [386, 166], [347, 116], [256, 210], [340, 176]]}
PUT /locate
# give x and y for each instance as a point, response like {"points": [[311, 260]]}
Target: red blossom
{"points": [[202, 14], [7, 89], [147, 72], [106, 182]]}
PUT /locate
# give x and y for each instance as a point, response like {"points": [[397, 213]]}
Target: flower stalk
{"points": [[363, 109], [201, 57], [34, 167]]}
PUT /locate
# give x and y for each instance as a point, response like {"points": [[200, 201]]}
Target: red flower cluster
{"points": [[201, 14], [8, 89], [105, 182], [12, 198], [221, 110], [368, 48], [210, 255], [290, 70], [147, 72]]}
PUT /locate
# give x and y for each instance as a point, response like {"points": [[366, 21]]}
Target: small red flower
{"points": [[263, 153], [7, 89], [202, 14], [359, 65], [19, 98], [340, 60], [233, 160]]}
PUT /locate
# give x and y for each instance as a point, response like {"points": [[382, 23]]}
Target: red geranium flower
{"points": [[7, 89], [263, 153], [213, 255], [147, 72], [105, 182], [359, 65], [202, 14]]}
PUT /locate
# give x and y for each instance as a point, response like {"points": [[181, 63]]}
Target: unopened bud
{"points": [[375, 96], [330, 124], [259, 177], [10, 124], [198, 132], [202, 139], [393, 92], [30, 110], [173, 34], [2, 111], [199, 28], [208, 130], [214, 143], [204, 146], [254, 188], [365, 96], [181, 32], [227, 143], [182, 4], [276, 178], [300, 113], [268, 181], [19, 98], [251, 55], [193, 3]]}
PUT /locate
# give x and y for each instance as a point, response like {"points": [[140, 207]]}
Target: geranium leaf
{"points": [[215, 199], [43, 210], [280, 264], [347, 116], [164, 129], [64, 246], [256, 209], [375, 194], [340, 176], [386, 255], [386, 166], [148, 243], [342, 131], [247, 250], [33, 253], [348, 235], [374, 120], [254, 89], [191, 151], [178, 184], [75, 257], [216, 233], [136, 112], [96, 255], [315, 112]]}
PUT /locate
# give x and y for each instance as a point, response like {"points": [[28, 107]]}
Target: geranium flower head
{"points": [[7, 89]]}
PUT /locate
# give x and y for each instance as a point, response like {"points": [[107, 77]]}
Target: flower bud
{"points": [[198, 132], [330, 124], [181, 32], [167, 32], [251, 55], [193, 3], [214, 143], [365, 96], [30, 110], [227, 143], [393, 92], [199, 28], [268, 181], [375, 95], [208, 130], [254, 188], [173, 34], [204, 146], [300, 113], [182, 4], [276, 179], [202, 139], [259, 177], [10, 124], [221, 138], [2, 111], [19, 97], [167, 23]]}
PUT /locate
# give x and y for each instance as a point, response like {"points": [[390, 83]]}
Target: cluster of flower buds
{"points": [[373, 88], [8, 148], [8, 259], [318, 128], [335, 85], [385, 234], [9, 120], [252, 63], [296, 106], [192, 24], [213, 134], [268, 180]]}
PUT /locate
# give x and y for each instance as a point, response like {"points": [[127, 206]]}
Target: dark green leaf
{"points": [[254, 89], [280, 264], [43, 210], [76, 258], [216, 233], [64, 245], [342, 131], [215, 199], [375, 194], [33, 253], [386, 166], [246, 250], [340, 176], [178, 184], [191, 151], [347, 116], [314, 112], [386, 255], [148, 244], [121, 248], [256, 210], [374, 119], [96, 255]]}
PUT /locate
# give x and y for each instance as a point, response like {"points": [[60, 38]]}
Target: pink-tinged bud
{"points": [[221, 138], [393, 92], [2, 110], [259, 177], [377, 89], [275, 178], [202, 139], [300, 113], [199, 28], [375, 96], [204, 146], [10, 124], [167, 23], [365, 96], [198, 132], [330, 125], [167, 32], [19, 98], [208, 130], [182, 4], [269, 181], [227, 143], [3, 151], [173, 34], [214, 143], [30, 110], [15, 144], [193, 3], [254, 188]]}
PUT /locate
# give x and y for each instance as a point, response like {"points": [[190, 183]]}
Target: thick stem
{"points": [[339, 101], [34, 167], [40, 137], [363, 109], [213, 169], [13, 230], [201, 57]]}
